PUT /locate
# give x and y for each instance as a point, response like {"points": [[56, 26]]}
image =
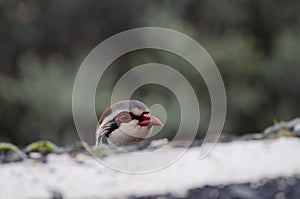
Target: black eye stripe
{"points": [[112, 124], [139, 118]]}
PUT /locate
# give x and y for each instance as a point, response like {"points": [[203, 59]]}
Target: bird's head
{"points": [[126, 122]]}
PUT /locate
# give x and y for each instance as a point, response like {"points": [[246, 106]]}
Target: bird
{"points": [[125, 123]]}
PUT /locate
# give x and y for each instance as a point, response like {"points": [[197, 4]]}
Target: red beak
{"points": [[150, 120]]}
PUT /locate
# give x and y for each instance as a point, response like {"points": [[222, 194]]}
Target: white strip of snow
{"points": [[84, 177]]}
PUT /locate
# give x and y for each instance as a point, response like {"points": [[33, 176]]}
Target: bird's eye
{"points": [[123, 117]]}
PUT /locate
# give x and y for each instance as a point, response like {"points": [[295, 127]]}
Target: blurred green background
{"points": [[255, 44]]}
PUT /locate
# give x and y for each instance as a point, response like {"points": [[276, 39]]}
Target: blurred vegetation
{"points": [[255, 45]]}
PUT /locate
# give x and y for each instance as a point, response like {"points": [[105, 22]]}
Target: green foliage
{"points": [[255, 45], [41, 146], [43, 91], [8, 147]]}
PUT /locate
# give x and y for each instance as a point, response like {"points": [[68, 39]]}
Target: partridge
{"points": [[125, 123]]}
